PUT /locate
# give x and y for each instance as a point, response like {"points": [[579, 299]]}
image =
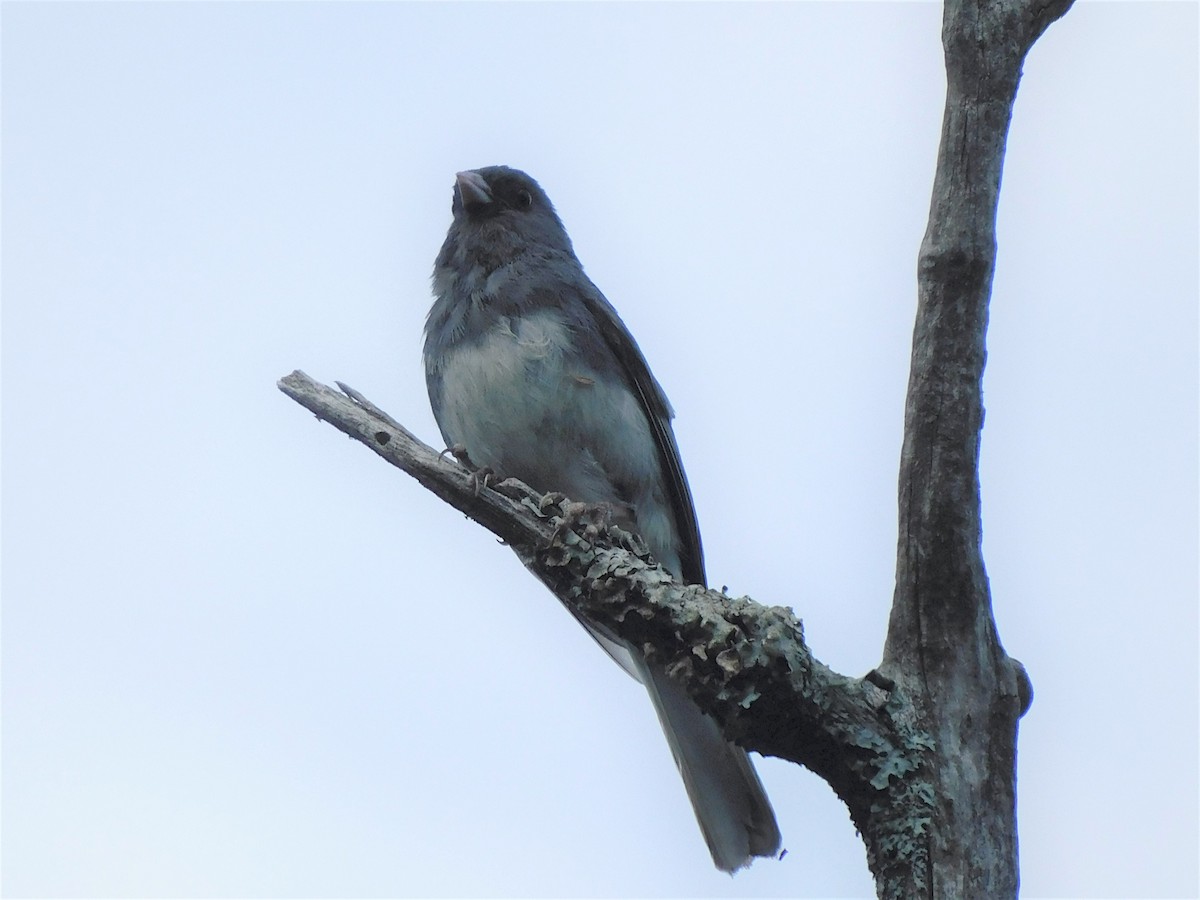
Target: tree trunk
{"points": [[942, 641]]}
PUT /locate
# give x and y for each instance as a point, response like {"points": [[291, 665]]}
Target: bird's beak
{"points": [[472, 189]]}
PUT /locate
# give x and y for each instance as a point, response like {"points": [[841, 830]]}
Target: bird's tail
{"points": [[731, 806]]}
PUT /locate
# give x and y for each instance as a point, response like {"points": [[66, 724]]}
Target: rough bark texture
{"points": [[746, 664], [942, 643], [923, 749]]}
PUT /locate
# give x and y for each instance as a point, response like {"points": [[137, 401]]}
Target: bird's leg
{"points": [[459, 452], [481, 476]]}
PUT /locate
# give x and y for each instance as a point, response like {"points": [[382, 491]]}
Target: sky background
{"points": [[243, 657]]}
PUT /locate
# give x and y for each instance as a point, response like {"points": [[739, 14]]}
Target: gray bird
{"points": [[531, 372]]}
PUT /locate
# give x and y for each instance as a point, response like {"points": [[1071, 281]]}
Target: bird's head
{"points": [[500, 213]]}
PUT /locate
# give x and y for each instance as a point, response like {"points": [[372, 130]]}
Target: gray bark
{"points": [[942, 643], [923, 749]]}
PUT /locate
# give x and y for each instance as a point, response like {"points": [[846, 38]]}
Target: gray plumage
{"points": [[532, 372]]}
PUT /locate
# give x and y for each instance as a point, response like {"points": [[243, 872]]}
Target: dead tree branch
{"points": [[746, 664]]}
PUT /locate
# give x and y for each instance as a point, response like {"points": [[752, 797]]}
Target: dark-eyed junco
{"points": [[531, 371]]}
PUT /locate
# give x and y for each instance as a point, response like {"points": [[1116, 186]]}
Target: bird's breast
{"points": [[522, 399], [507, 376]]}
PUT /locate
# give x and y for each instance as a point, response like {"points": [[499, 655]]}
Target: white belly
{"points": [[522, 402]]}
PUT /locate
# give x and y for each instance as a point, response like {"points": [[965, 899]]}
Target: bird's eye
{"points": [[524, 199]]}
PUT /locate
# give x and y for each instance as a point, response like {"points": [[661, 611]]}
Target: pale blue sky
{"points": [[243, 657]]}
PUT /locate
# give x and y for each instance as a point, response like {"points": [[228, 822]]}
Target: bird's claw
{"points": [[481, 476], [459, 452], [553, 500]]}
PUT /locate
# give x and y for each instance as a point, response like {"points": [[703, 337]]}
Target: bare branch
{"points": [[738, 654], [354, 415], [747, 665]]}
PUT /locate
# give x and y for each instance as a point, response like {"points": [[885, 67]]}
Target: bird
{"points": [[532, 374]]}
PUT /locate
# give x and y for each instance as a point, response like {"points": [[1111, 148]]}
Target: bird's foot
{"points": [[459, 452], [481, 476], [553, 503]]}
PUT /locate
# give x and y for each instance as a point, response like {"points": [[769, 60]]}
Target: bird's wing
{"points": [[659, 413]]}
